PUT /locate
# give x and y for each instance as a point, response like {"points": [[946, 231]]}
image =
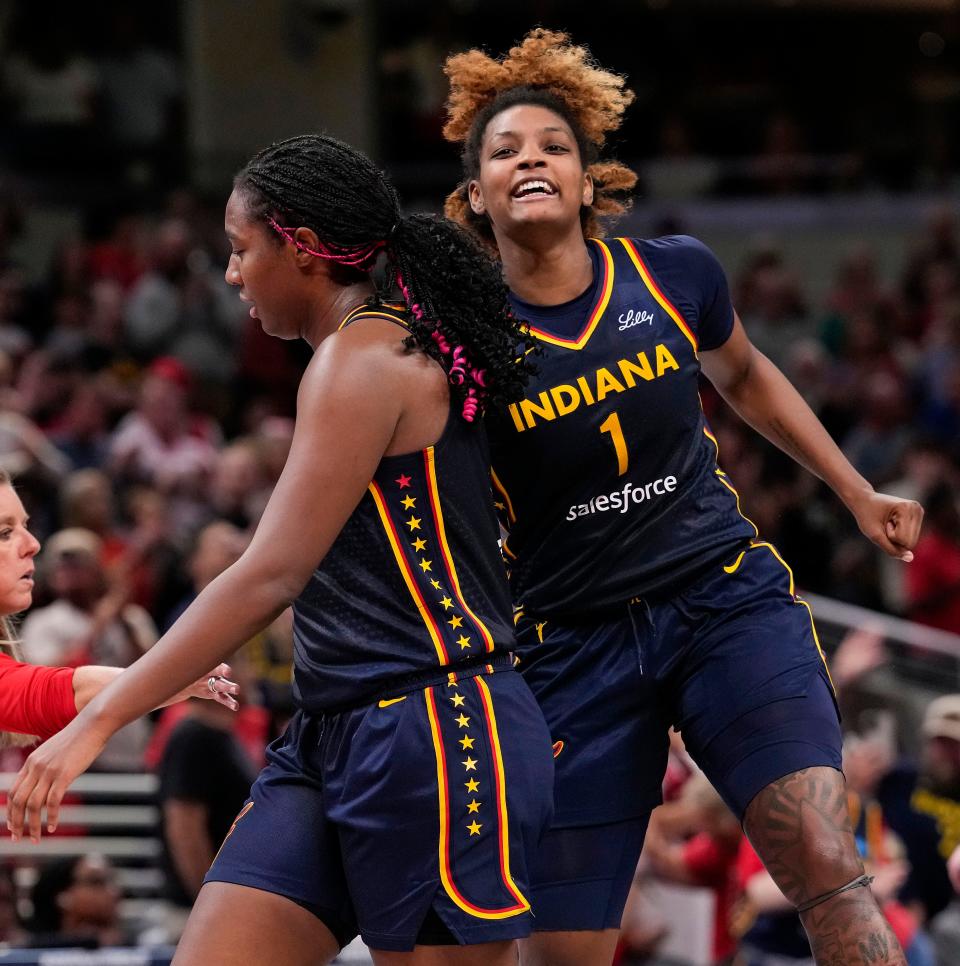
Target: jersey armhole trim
{"points": [[647, 276]]}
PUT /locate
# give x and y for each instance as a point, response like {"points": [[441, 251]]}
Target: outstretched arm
{"points": [[90, 679], [343, 428], [760, 393]]}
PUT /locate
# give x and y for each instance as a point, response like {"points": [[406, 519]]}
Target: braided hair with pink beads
{"points": [[454, 292]]}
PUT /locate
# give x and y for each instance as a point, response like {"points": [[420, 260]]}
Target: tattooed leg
{"points": [[801, 829]]}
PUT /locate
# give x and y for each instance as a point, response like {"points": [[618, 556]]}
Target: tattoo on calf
{"points": [[789, 819], [800, 826]]}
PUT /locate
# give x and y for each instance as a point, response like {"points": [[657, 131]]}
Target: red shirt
{"points": [[712, 864], [35, 700], [935, 571]]}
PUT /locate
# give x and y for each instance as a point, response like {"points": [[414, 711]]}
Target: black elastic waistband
{"points": [[488, 663]]}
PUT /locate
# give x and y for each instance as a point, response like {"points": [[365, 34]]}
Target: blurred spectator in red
{"points": [[694, 841], [925, 466], [933, 578]]}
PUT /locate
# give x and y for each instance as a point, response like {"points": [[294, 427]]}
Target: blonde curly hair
{"points": [[548, 70]]}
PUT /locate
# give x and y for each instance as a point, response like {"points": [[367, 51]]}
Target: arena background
{"points": [[814, 144]]}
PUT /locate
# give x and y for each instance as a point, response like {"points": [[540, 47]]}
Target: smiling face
{"points": [[266, 271], [18, 547], [531, 174]]}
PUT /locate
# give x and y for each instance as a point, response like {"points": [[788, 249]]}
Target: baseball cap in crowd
{"points": [[171, 369], [942, 719], [73, 543]]}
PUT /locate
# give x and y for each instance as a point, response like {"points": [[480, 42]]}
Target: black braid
{"points": [[454, 292]]}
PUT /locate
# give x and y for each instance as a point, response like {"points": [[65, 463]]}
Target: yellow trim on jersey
{"points": [[389, 311], [654, 290], [443, 840], [722, 477], [445, 546], [405, 572], [601, 307], [487, 699], [511, 516], [731, 568]]}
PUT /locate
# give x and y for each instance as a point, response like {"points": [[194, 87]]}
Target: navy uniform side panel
{"points": [[414, 582], [606, 474]]}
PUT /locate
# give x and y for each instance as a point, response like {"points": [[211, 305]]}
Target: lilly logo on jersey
{"points": [[593, 388], [631, 318]]}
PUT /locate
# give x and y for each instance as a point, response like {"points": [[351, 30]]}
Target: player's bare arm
{"points": [[764, 397]]}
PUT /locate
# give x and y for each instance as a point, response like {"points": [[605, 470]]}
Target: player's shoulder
{"points": [[675, 248], [681, 260]]}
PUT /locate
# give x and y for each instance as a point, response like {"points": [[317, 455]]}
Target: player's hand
{"points": [[222, 690], [46, 775], [891, 522]]}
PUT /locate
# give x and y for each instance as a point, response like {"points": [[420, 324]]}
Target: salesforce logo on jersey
{"points": [[621, 500]]}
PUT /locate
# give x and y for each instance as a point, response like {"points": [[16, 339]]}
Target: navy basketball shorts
{"points": [[733, 662], [412, 820]]}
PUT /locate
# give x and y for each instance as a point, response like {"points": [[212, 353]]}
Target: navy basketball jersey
{"points": [[413, 587], [605, 474]]}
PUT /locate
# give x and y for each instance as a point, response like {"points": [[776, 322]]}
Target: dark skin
{"points": [[799, 824], [342, 432]]}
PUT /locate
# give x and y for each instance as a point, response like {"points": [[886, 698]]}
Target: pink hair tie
{"points": [[441, 342], [470, 406], [356, 256], [479, 377], [458, 369]]}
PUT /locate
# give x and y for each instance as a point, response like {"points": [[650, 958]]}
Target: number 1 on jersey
{"points": [[611, 425]]}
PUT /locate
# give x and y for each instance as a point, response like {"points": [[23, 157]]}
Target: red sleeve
{"points": [[35, 700], [705, 860], [748, 863]]}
